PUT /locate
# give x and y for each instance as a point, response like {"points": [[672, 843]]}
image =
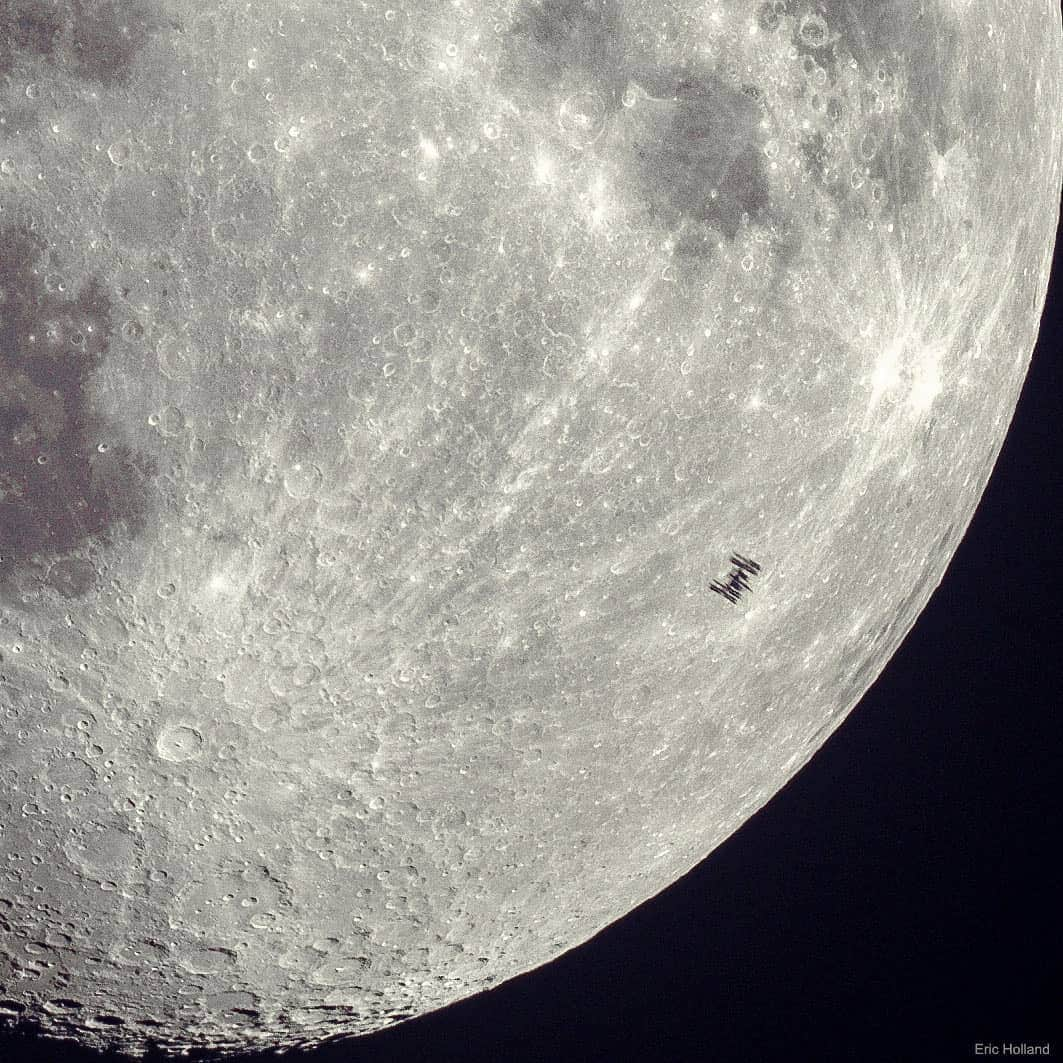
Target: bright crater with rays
{"points": [[457, 463]]}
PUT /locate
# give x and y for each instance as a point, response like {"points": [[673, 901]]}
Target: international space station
{"points": [[738, 580]]}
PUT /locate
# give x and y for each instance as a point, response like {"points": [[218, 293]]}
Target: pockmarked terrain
{"points": [[458, 462]]}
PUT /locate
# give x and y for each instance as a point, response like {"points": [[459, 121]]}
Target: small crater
{"points": [[72, 577], [816, 155], [209, 960], [342, 972], [170, 421], [302, 480], [769, 15], [813, 31], [108, 850], [581, 118], [62, 1006], [71, 773], [119, 153], [229, 900], [235, 1000], [133, 331], [178, 743]]}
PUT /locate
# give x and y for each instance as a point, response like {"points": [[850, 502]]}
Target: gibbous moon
{"points": [[458, 461]]}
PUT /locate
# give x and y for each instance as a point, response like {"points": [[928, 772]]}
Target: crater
{"points": [[178, 743]]}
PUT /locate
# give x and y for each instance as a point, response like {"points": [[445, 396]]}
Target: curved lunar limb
{"points": [[458, 462]]}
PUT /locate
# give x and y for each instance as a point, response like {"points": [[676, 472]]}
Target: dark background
{"points": [[896, 901]]}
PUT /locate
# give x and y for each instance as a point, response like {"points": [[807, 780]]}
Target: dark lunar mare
{"points": [[919, 38], [66, 477], [701, 163], [555, 38], [694, 151], [96, 40], [68, 480]]}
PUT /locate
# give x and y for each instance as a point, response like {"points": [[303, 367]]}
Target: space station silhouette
{"points": [[738, 579]]}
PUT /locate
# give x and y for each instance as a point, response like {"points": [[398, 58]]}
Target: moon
{"points": [[458, 462]]}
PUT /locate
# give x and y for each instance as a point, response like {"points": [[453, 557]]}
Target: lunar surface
{"points": [[458, 461]]}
